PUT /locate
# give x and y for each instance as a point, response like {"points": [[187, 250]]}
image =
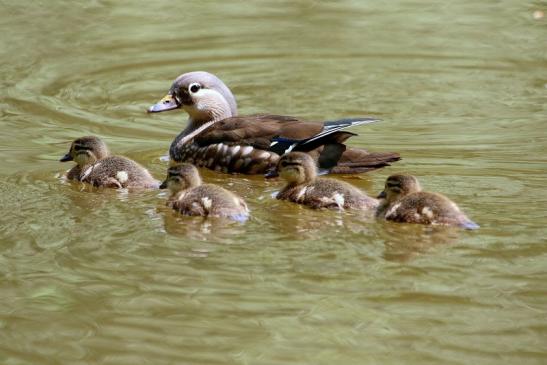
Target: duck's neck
{"points": [[296, 184], [189, 133], [193, 181], [384, 205], [83, 170], [175, 196], [198, 122], [203, 113]]}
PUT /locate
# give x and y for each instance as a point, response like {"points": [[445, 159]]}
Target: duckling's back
{"points": [[428, 208], [118, 172], [328, 193], [211, 200]]}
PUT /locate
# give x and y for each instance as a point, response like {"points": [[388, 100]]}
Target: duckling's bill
{"points": [[168, 102], [66, 158]]}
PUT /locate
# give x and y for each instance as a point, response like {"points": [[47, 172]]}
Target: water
{"points": [[107, 277]]}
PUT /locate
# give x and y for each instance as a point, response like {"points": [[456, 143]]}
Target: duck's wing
{"points": [[257, 130], [331, 133]]}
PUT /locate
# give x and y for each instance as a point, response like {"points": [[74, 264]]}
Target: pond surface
{"points": [[109, 277]]}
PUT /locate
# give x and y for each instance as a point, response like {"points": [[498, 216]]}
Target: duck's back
{"points": [[328, 193], [427, 208], [211, 200], [120, 172]]}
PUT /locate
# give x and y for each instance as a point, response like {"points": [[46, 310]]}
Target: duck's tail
{"points": [[355, 161], [333, 155], [469, 224]]}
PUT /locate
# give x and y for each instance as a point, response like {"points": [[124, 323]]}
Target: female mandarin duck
{"points": [[304, 187], [220, 140], [404, 201], [95, 165], [191, 197]]}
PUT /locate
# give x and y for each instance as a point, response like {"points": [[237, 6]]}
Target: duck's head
{"points": [[202, 95], [181, 177], [86, 150], [398, 186], [297, 168]]}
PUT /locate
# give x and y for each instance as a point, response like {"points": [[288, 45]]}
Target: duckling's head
{"points": [[181, 177], [297, 168], [398, 186], [202, 95], [86, 150]]}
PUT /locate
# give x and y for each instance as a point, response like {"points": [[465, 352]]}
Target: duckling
{"points": [[95, 165], [218, 139], [300, 172], [191, 197], [404, 201]]}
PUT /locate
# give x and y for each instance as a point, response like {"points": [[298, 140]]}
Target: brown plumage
{"points": [[191, 197], [95, 166], [304, 187], [404, 201], [218, 139]]}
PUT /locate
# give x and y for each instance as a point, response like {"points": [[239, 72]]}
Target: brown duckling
{"points": [[404, 201], [304, 187], [217, 138], [95, 165], [191, 197]]}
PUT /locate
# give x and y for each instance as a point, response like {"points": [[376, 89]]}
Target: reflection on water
{"points": [[405, 242], [114, 277]]}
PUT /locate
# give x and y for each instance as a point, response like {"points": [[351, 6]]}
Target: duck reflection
{"points": [[214, 230], [403, 243]]}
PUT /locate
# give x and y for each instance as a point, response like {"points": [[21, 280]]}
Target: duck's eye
{"points": [[194, 88], [290, 163]]}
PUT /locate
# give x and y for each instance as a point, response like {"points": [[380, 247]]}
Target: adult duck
{"points": [[217, 138]]}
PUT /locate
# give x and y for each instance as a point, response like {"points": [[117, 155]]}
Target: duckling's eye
{"points": [[79, 147], [287, 163], [194, 88]]}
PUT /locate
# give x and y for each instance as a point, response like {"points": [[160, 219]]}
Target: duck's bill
{"points": [[66, 158], [163, 185], [167, 103], [382, 195], [272, 173]]}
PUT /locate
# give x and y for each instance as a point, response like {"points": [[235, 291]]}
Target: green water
{"points": [[107, 277]]}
